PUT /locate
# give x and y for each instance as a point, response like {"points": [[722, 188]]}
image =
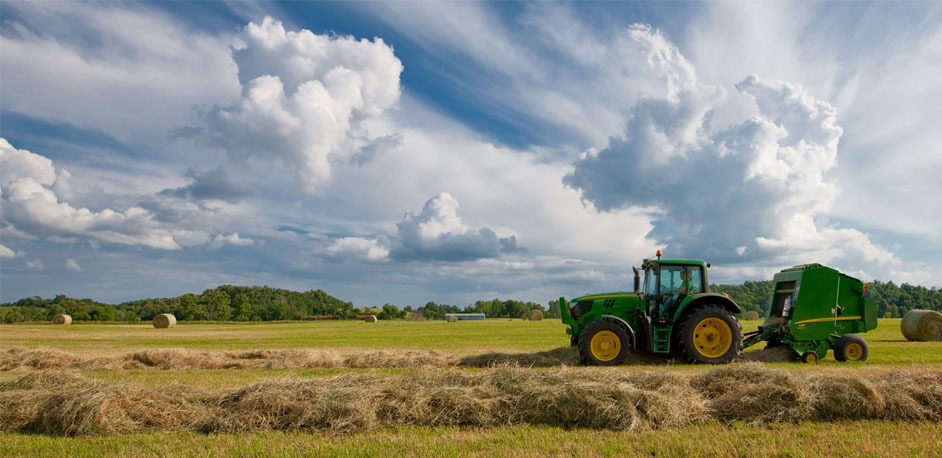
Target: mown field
{"points": [[309, 355]]}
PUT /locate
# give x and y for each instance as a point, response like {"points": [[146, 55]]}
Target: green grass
{"points": [[888, 349], [887, 345], [468, 337], [844, 439]]}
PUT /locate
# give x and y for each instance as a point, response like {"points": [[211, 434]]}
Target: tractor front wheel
{"points": [[604, 343], [851, 347], [710, 335]]}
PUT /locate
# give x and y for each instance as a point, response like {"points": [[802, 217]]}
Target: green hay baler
{"points": [[814, 309]]}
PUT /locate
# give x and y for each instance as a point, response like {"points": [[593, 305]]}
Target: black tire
{"points": [[851, 347], [690, 339], [596, 328], [809, 356], [574, 341]]}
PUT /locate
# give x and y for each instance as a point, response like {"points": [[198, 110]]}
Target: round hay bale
{"points": [[370, 319], [922, 325], [752, 315], [536, 315], [61, 318], [452, 319], [165, 320]]}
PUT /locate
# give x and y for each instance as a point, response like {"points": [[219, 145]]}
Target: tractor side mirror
{"points": [[637, 279]]}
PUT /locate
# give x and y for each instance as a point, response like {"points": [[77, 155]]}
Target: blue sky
{"points": [[408, 152]]}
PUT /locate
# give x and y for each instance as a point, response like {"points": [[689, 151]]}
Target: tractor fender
{"points": [[621, 321], [707, 298]]}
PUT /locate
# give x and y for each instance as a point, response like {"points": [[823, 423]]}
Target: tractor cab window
{"points": [[679, 280], [650, 283]]}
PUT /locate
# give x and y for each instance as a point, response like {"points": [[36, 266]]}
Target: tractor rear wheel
{"points": [[851, 347], [604, 343], [710, 335]]}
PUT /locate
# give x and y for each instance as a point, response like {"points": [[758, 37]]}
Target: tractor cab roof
{"points": [[686, 262]]}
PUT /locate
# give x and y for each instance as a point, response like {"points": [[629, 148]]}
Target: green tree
{"points": [[241, 307]]}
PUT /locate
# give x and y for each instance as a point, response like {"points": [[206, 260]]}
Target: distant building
{"points": [[465, 316]]}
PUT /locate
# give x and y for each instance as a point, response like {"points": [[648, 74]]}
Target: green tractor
{"points": [[672, 314]]}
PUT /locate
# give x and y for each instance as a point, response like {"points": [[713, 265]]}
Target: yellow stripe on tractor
{"points": [[606, 296], [819, 320]]}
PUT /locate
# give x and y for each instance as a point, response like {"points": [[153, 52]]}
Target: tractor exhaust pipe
{"points": [[637, 279]]}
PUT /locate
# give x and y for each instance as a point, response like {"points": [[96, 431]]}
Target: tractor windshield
{"points": [[650, 282]]}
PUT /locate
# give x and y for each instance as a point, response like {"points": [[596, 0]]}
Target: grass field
{"points": [[888, 351]]}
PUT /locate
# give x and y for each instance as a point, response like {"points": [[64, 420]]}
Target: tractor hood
{"points": [[592, 297]]}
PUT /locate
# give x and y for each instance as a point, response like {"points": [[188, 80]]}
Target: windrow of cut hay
{"points": [[178, 359], [60, 402]]}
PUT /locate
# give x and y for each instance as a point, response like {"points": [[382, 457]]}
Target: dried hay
{"points": [[535, 315], [752, 315], [370, 319], [165, 320], [61, 318], [64, 403], [452, 319], [922, 325]]}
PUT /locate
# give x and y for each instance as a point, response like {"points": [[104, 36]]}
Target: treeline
{"points": [[895, 301], [226, 302], [892, 301], [244, 303], [495, 308], [751, 295]]}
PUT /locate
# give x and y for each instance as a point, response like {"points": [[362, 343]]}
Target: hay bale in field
{"points": [[452, 319], [61, 318], [370, 319], [165, 320], [922, 325], [536, 315], [752, 315]]}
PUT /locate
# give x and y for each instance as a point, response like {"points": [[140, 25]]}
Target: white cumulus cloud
{"points": [[753, 191], [6, 252], [304, 98], [436, 233], [31, 204], [72, 264], [232, 239]]}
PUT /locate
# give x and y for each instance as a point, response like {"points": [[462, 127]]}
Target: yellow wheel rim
{"points": [[811, 358], [712, 337], [853, 351], [605, 345]]}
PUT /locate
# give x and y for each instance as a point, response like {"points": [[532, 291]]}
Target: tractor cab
{"points": [[668, 282]]}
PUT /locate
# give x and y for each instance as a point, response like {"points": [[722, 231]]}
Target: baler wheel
{"points": [[809, 356], [851, 347], [711, 335], [604, 343]]}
